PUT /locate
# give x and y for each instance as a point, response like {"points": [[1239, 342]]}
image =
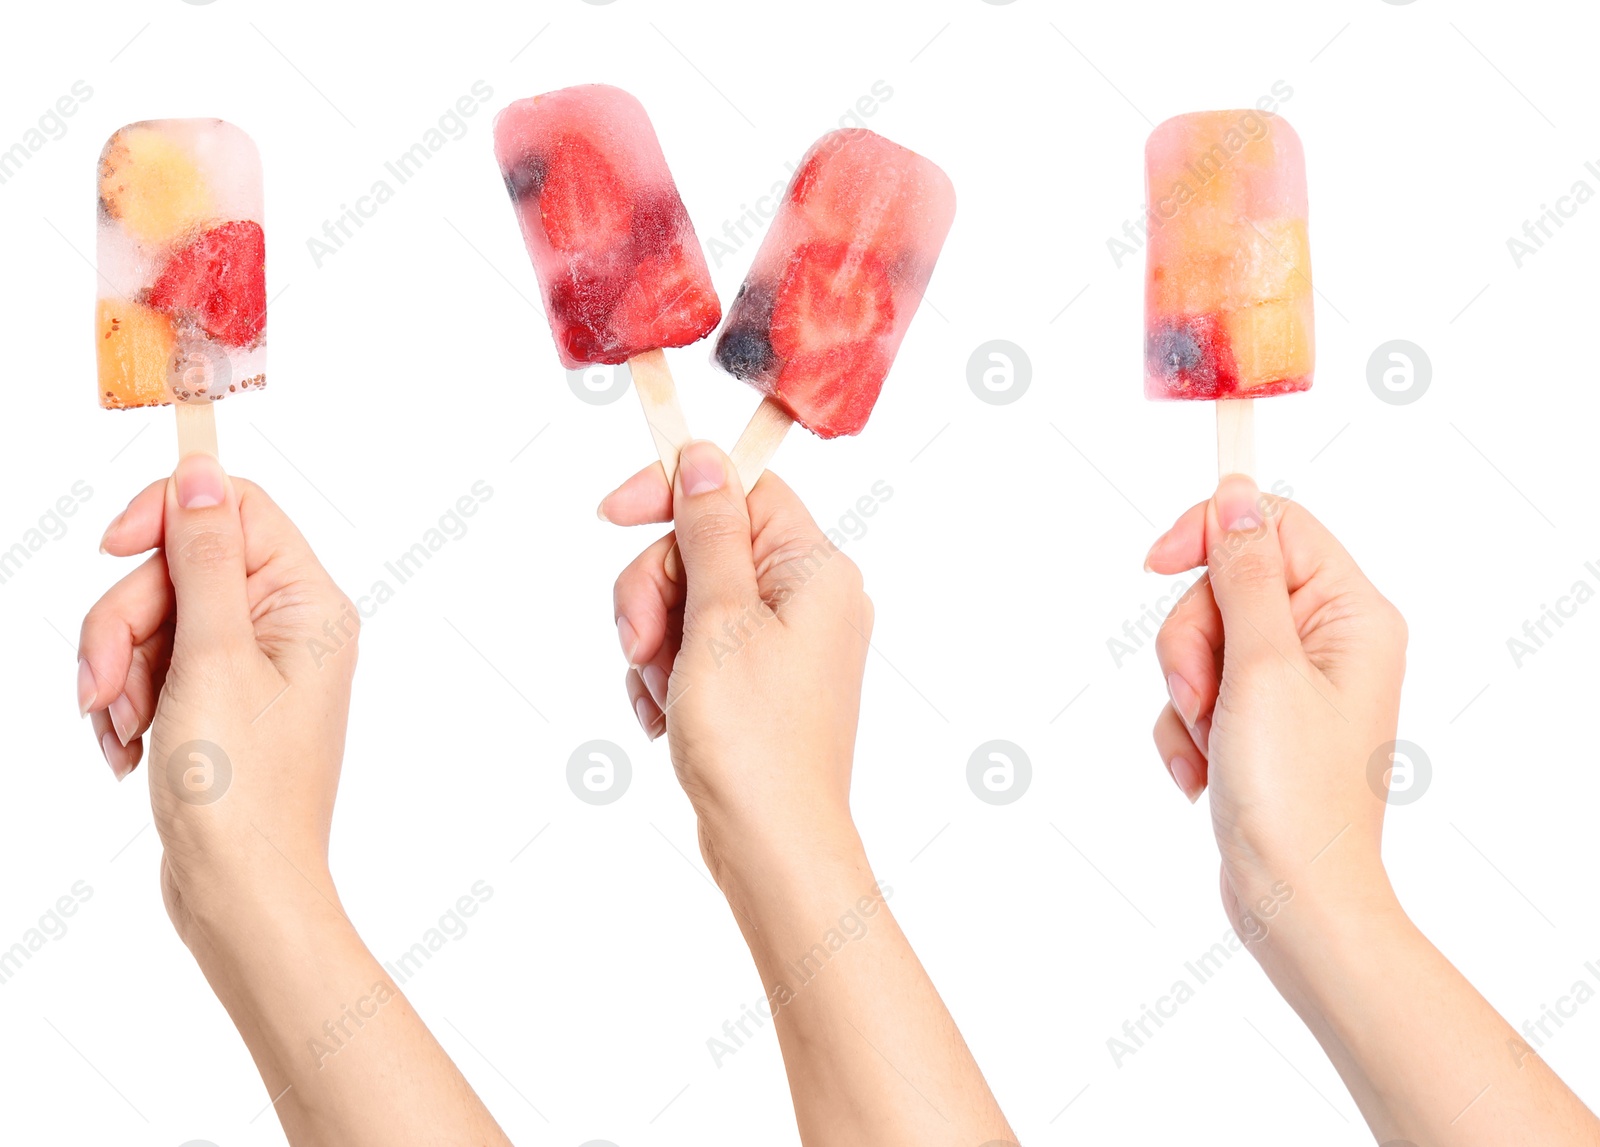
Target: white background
{"points": [[410, 366]]}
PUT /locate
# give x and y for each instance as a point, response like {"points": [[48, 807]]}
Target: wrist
{"points": [[1321, 926], [770, 869], [219, 918], [750, 844]]}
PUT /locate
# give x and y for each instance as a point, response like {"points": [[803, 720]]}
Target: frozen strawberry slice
{"points": [[669, 303], [863, 196], [832, 392], [220, 280], [660, 225], [583, 204], [580, 309], [831, 295]]}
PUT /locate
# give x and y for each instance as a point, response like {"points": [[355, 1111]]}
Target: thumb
{"points": [[1245, 566], [205, 556], [713, 527]]}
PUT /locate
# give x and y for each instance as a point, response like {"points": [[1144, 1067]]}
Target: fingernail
{"points": [[1238, 504], [111, 529], [656, 682], [701, 467], [1184, 699], [628, 638], [1202, 735], [1186, 776], [600, 511], [672, 566], [201, 482], [641, 710], [123, 719], [109, 746], [1149, 555], [86, 688]]}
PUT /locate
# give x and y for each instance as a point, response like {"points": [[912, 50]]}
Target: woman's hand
{"points": [[244, 692], [748, 647], [746, 636], [232, 648], [1283, 666]]}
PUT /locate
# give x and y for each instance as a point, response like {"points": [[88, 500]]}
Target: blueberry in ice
{"points": [[1176, 349], [525, 178], [745, 348], [745, 352]]}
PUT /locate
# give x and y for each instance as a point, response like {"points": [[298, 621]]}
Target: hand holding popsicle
{"points": [[216, 647], [1284, 667], [749, 654]]}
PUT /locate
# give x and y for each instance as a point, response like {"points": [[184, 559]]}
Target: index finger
{"points": [[644, 499], [268, 532], [1308, 545]]}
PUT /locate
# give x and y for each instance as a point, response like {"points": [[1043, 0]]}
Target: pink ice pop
{"points": [[618, 263], [1228, 304], [820, 316]]}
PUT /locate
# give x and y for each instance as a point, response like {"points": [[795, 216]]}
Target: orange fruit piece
{"points": [[135, 345], [1271, 341], [152, 185]]}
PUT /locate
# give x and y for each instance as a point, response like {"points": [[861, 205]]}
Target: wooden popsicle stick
{"points": [[197, 429], [658, 394], [1236, 437], [760, 441]]}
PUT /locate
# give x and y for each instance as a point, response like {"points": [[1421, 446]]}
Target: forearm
{"points": [[872, 1054], [343, 1056], [1425, 1056]]}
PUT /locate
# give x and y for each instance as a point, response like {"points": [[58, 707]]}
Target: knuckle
{"points": [[1254, 663], [713, 531], [1168, 642], [1250, 569], [207, 548], [1394, 624]]}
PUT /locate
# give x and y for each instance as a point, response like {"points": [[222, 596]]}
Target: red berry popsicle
{"points": [[182, 310], [619, 266], [834, 286], [1228, 299]]}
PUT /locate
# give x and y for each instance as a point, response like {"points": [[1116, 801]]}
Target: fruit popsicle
{"points": [[181, 315], [833, 288], [618, 262], [1228, 302]]}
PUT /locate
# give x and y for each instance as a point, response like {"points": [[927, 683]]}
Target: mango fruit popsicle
{"points": [[181, 313], [1228, 302]]}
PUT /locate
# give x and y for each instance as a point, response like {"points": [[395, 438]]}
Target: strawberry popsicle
{"points": [[182, 310], [619, 266], [834, 286]]}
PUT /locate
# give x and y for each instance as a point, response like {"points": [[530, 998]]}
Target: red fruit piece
{"points": [[220, 279], [669, 303], [853, 184], [582, 201], [660, 224], [1192, 358], [832, 392], [580, 306], [831, 295]]}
